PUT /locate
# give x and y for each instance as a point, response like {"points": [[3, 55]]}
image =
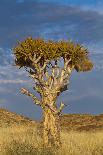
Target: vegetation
{"points": [[26, 139], [41, 59]]}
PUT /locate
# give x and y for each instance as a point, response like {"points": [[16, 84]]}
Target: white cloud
{"points": [[12, 81], [96, 7], [5, 56], [10, 74]]}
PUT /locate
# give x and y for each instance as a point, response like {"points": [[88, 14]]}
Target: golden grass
{"points": [[27, 140], [16, 140]]}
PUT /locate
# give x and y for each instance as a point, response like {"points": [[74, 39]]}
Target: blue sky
{"points": [[78, 20]]}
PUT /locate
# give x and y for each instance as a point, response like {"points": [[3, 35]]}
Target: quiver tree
{"points": [[41, 59]]}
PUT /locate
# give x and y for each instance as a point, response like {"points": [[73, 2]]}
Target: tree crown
{"points": [[52, 50]]}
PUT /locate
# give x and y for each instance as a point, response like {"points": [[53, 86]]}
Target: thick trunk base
{"points": [[51, 133]]}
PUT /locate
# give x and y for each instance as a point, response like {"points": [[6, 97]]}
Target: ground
{"points": [[80, 134]]}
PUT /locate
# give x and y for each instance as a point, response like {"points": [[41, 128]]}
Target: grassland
{"points": [[80, 135]]}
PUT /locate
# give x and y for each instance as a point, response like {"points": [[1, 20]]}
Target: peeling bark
{"points": [[51, 133]]}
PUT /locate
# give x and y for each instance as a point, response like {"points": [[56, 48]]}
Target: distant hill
{"points": [[82, 122], [78, 122], [8, 118]]}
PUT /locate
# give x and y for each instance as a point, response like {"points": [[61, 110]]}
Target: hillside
{"points": [[8, 118], [79, 122], [82, 122]]}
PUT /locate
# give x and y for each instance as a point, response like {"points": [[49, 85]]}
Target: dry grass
{"points": [[17, 140], [25, 139], [82, 143]]}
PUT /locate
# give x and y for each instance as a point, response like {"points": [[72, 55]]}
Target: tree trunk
{"points": [[51, 133]]}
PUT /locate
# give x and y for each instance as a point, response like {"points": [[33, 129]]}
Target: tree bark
{"points": [[51, 133]]}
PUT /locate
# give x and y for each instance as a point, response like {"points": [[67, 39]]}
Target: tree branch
{"points": [[62, 105], [39, 76], [56, 111], [26, 92], [45, 64], [39, 89], [47, 74], [37, 60], [51, 108], [53, 79], [66, 71]]}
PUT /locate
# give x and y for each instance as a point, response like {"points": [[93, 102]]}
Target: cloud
{"points": [[49, 20], [74, 2], [10, 74], [12, 81], [5, 56], [98, 7]]}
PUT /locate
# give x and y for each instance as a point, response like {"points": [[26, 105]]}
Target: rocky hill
{"points": [[8, 118], [78, 122]]}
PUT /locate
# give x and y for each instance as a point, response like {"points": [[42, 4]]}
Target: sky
{"points": [[78, 20]]}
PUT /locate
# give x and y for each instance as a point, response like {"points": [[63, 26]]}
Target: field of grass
{"points": [[25, 137]]}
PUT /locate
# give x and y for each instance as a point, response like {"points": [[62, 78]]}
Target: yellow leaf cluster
{"points": [[52, 50]]}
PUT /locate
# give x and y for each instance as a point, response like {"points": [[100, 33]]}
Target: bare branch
{"points": [[66, 71], [53, 72], [26, 92], [32, 59], [37, 60], [66, 61], [58, 70], [56, 111], [37, 75], [51, 82], [45, 64], [62, 105], [39, 89], [52, 108], [50, 63], [31, 72], [47, 74], [53, 79], [34, 76]]}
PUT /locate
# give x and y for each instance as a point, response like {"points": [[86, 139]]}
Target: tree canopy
{"points": [[52, 50]]}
